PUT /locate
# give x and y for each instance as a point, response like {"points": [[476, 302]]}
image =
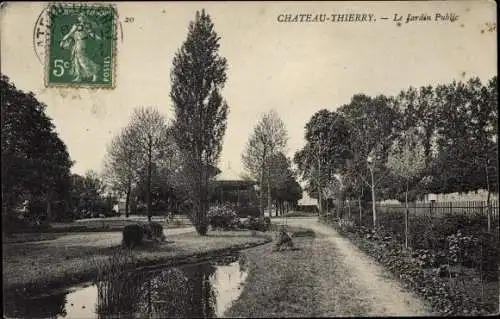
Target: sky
{"points": [[294, 68]]}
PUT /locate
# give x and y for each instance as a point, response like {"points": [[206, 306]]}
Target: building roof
{"points": [[306, 200], [229, 178], [228, 174]]}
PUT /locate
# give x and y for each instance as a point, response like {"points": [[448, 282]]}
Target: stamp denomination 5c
{"points": [[81, 45]]}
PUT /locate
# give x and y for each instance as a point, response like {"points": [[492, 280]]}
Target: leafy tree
{"points": [[284, 187], [198, 76], [268, 138], [467, 139], [355, 186], [325, 153], [35, 162], [407, 159], [420, 109], [87, 194], [467, 143], [374, 124]]}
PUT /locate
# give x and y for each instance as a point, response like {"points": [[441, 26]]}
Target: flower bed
{"points": [[222, 217]]}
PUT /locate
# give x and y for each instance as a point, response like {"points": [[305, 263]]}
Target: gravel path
{"points": [[353, 284], [98, 239]]}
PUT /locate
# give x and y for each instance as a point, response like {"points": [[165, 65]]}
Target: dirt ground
{"points": [[360, 283], [324, 276]]}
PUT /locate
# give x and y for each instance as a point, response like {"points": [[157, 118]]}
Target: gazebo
{"points": [[230, 189]]}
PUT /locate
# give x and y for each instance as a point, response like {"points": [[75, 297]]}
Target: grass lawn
{"points": [[278, 284], [89, 225], [35, 267], [310, 281], [117, 223], [30, 237]]}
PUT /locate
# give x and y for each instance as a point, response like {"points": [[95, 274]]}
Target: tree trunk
{"points": [[202, 224], [320, 201], [49, 209], [407, 213], [269, 202], [488, 205], [360, 212], [127, 201], [349, 209], [5, 203], [374, 210], [148, 191], [320, 198], [261, 193], [337, 210]]}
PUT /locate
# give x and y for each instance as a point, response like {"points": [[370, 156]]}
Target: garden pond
{"points": [[199, 290]]}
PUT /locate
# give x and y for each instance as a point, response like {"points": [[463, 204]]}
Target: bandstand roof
{"points": [[230, 179]]}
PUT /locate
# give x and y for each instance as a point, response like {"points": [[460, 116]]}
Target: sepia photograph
{"points": [[249, 159]]}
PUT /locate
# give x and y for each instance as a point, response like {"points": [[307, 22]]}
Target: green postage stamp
{"points": [[81, 45]]}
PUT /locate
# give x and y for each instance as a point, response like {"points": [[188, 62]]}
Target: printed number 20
{"points": [[59, 66]]}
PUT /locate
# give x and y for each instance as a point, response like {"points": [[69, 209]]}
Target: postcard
{"points": [[249, 159]]}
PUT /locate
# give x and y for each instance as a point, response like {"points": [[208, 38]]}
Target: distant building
{"points": [[307, 204], [229, 188], [306, 200]]}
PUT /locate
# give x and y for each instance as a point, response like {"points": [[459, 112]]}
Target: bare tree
{"points": [[149, 137], [268, 138], [121, 165]]}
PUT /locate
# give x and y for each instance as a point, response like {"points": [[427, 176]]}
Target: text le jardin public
{"points": [[365, 17]]}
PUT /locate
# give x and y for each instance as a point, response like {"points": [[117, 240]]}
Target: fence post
{"points": [[489, 216], [407, 220]]}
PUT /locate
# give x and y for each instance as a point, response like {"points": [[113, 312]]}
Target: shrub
{"points": [[304, 233], [153, 231], [346, 225], [428, 232], [132, 235], [259, 224], [222, 217], [248, 211], [479, 251]]}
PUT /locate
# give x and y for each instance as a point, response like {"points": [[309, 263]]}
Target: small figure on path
{"points": [[284, 240]]}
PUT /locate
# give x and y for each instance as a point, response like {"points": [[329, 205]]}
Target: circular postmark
{"points": [[42, 28]]}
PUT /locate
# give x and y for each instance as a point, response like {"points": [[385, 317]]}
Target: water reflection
{"points": [[48, 307], [195, 291]]}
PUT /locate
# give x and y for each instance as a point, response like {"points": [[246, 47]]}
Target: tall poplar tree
{"points": [[198, 77]]}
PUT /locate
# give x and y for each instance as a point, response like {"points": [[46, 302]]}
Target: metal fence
{"points": [[434, 209], [429, 224], [438, 209]]}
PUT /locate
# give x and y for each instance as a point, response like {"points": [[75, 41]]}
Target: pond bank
{"points": [[195, 290], [31, 268]]}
